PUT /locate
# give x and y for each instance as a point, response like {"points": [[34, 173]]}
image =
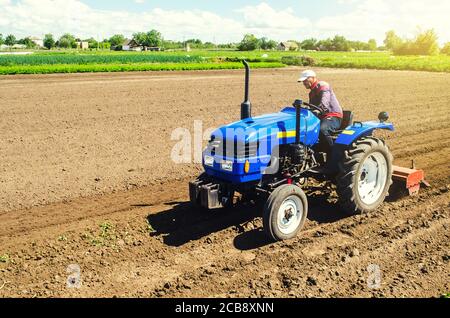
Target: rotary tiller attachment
{"points": [[411, 179]]}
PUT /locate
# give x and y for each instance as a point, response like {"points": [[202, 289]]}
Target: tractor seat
{"points": [[347, 120]]}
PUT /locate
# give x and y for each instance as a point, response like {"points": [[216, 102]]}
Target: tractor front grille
{"points": [[234, 149]]}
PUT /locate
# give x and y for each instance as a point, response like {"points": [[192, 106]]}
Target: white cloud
{"points": [[372, 18], [37, 17], [265, 17], [367, 19]]}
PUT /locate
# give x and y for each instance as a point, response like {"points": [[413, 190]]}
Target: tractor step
{"points": [[411, 178]]}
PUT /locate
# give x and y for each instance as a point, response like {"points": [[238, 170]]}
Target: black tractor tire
{"points": [[352, 173], [293, 195]]}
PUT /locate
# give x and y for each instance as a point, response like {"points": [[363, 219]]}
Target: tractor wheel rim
{"points": [[290, 215], [372, 178]]}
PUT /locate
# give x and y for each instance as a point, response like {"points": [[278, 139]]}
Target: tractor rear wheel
{"points": [[285, 212], [365, 176]]}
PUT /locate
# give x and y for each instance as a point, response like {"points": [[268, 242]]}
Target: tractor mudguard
{"points": [[358, 130]]}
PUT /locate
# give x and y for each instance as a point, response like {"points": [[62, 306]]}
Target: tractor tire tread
{"points": [[348, 169]]}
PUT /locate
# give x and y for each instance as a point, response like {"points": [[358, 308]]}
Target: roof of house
{"points": [[129, 42]]}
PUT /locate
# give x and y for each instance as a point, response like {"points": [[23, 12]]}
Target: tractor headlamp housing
{"points": [[227, 165], [209, 161]]}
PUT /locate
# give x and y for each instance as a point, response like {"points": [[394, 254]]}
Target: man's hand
{"points": [[317, 113]]}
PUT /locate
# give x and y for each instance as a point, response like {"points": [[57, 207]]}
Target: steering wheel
{"points": [[314, 108]]}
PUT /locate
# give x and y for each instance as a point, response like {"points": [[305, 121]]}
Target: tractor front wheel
{"points": [[365, 176], [285, 212]]}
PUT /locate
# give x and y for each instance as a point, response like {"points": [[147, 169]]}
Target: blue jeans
{"points": [[328, 126]]}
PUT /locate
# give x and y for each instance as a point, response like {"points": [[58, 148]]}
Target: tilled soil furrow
{"points": [[321, 258], [201, 277]]}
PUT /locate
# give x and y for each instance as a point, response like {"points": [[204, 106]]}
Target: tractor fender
{"points": [[359, 130]]}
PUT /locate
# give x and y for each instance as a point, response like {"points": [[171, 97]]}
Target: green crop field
{"points": [[131, 67], [106, 61], [85, 59]]}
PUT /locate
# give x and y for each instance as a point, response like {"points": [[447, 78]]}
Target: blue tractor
{"points": [[270, 160]]}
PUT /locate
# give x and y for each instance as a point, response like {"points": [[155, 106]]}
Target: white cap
{"points": [[307, 74]]}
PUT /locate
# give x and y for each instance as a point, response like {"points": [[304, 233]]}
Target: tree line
{"points": [[425, 43]]}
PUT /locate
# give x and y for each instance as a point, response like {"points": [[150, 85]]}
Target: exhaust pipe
{"points": [[298, 108], [246, 106]]}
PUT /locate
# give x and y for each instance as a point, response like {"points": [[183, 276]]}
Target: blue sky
{"points": [[223, 21]]}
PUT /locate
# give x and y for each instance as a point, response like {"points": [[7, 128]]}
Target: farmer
{"points": [[322, 95]]}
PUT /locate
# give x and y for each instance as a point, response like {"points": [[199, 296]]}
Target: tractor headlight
{"points": [[209, 161], [227, 165]]}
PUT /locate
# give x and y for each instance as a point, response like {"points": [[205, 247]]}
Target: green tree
{"points": [[49, 41], [173, 45], [105, 45], [446, 49], [154, 38], [392, 40], [325, 45], [140, 37], [359, 45], [195, 43], [425, 43], [227, 46], [1, 39], [340, 43], [249, 43], [116, 40], [93, 44], [67, 41], [209, 45], [150, 39], [372, 45], [267, 44], [10, 40], [309, 44], [27, 42]]}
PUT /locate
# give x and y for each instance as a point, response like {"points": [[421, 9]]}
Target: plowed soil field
{"points": [[86, 179]]}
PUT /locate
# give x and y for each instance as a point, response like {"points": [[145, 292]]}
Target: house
{"points": [[82, 45], [287, 46], [38, 41], [131, 45], [19, 47]]}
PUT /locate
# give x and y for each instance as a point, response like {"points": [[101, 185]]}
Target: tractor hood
{"points": [[277, 125]]}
